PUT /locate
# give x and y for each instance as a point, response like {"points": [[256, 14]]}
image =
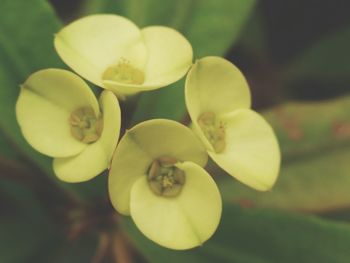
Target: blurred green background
{"points": [[295, 55]]}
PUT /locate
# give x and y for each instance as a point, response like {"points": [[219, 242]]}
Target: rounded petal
{"points": [[129, 163], [181, 222], [215, 85], [93, 43], [169, 55], [97, 156], [252, 153], [169, 58], [142, 144], [43, 108]]}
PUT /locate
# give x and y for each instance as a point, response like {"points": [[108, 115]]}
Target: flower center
{"points": [[123, 72], [85, 126], [214, 130], [164, 178]]}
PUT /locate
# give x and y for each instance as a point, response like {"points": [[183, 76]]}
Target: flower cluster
{"points": [[156, 174]]}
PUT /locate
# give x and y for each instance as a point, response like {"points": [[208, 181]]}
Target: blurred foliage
{"points": [[259, 236], [282, 59], [23, 225], [6, 148], [30, 234], [23, 50], [323, 64], [293, 26]]}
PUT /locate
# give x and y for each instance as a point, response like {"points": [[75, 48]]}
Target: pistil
{"points": [[164, 178], [85, 126]]}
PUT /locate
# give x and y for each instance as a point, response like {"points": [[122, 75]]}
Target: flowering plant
{"points": [[156, 173]]}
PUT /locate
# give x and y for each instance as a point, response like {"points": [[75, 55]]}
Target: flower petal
{"points": [[91, 44], [45, 103], [97, 156], [140, 146], [169, 55], [252, 153], [129, 163], [180, 222], [169, 58], [215, 85]]}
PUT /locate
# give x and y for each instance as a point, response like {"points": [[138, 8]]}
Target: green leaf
{"points": [[324, 63], [143, 13], [25, 46], [211, 27], [305, 128], [259, 236], [315, 144]]}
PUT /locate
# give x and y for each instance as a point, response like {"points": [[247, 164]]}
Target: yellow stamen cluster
{"points": [[124, 72], [85, 125], [214, 130], [164, 178]]}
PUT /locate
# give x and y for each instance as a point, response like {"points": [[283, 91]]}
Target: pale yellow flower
{"points": [[60, 117], [237, 138], [157, 177], [113, 53]]}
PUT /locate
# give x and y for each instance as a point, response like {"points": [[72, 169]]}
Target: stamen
{"points": [[85, 126], [124, 72], [213, 130], [164, 178]]}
